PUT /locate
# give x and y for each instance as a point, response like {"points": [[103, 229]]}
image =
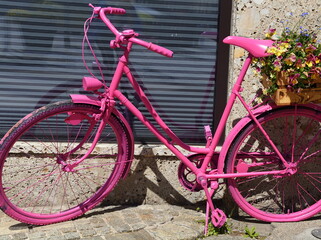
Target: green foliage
{"points": [[225, 229], [198, 209], [295, 54], [214, 231], [251, 233]]}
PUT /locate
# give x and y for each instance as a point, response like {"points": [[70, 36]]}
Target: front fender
{"points": [[77, 98], [242, 123]]}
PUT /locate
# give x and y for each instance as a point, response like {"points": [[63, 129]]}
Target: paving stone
{"points": [[5, 237], [149, 217], [138, 226], [190, 223], [88, 233], [37, 235], [93, 238], [54, 233], [117, 223], [263, 228], [97, 222], [55, 238], [171, 231], [83, 227], [131, 218], [19, 236], [72, 236], [139, 235], [103, 230], [68, 230]]}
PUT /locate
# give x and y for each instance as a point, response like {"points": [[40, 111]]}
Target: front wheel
{"points": [[295, 196], [37, 184]]}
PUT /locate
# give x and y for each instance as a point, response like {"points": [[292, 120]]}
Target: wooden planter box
{"points": [[284, 96]]}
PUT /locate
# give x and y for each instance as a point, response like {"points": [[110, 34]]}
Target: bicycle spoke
{"points": [[44, 190], [37, 177], [294, 194], [47, 199], [31, 187]]}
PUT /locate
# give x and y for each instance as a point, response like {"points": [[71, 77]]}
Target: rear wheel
{"points": [[38, 186], [296, 132]]}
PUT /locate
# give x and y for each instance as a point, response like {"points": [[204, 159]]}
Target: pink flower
{"points": [[310, 60], [291, 59], [270, 32], [310, 48], [299, 64], [277, 65]]}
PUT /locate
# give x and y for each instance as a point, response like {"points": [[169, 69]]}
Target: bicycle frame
{"points": [[125, 41], [209, 151], [72, 152]]}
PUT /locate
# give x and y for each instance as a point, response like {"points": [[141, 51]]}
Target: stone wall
{"points": [[251, 18]]}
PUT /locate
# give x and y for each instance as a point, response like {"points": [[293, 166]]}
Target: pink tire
{"points": [[36, 185], [296, 131]]}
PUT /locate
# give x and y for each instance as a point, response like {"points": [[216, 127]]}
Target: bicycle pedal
{"points": [[218, 217]]}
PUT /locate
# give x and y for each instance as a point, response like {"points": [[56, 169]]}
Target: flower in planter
{"points": [[295, 60]]}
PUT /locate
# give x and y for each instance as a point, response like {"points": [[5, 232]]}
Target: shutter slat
{"points": [[40, 57]]}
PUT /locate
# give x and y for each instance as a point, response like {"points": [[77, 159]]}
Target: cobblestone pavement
{"points": [[149, 222], [143, 222]]}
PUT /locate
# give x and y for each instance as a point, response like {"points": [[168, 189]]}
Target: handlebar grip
{"points": [[111, 10], [153, 47], [160, 50]]}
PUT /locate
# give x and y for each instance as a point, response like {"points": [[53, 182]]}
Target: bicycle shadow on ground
{"points": [[133, 191], [97, 211], [146, 183]]}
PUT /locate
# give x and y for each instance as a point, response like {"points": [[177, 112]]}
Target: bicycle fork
{"points": [[106, 109]]}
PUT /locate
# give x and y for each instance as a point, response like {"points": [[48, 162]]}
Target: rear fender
{"points": [[77, 98], [242, 123]]}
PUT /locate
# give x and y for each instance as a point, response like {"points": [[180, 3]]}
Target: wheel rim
{"points": [[289, 197], [40, 187]]}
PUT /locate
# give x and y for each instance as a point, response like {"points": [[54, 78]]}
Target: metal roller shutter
{"points": [[40, 47]]}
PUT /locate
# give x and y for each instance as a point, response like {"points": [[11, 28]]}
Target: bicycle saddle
{"points": [[255, 47]]}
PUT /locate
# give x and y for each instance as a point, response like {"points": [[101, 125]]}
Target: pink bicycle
{"points": [[63, 159]]}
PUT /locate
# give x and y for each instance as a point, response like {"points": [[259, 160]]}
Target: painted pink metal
{"points": [[213, 161], [77, 98], [256, 47], [91, 84]]}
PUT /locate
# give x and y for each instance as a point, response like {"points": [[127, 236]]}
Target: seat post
{"points": [[245, 67]]}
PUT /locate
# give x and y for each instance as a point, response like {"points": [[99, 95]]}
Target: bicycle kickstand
{"points": [[217, 216]]}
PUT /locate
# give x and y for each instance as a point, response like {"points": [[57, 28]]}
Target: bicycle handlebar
{"points": [[153, 47], [110, 10]]}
